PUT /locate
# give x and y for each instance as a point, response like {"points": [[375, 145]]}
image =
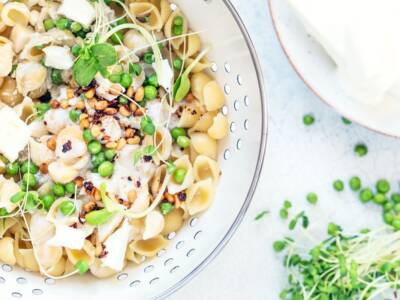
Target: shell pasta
{"points": [[110, 124]]}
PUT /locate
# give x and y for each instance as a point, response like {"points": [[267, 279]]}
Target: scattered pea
{"points": [[338, 185], [178, 64], [29, 180], [76, 50], [177, 132], [150, 92], [67, 208], [166, 208], [179, 175], [70, 187], [58, 190], [94, 147], [396, 208], [87, 135], [148, 58], [123, 100], [312, 198], [106, 169], [29, 167], [115, 78], [135, 69], [152, 80], [395, 198], [183, 141], [388, 217], [47, 201], [366, 195], [12, 168], [48, 24], [110, 154], [355, 183], [284, 213], [396, 224], [82, 267], [98, 159], [178, 21], [56, 77], [279, 246], [62, 23], [361, 150], [308, 119], [126, 80], [74, 115], [383, 186], [379, 199]]}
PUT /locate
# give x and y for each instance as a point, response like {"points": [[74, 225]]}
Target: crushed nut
{"points": [[97, 195], [80, 105], [139, 113], [115, 89], [88, 207], [139, 95], [54, 104], [190, 97], [132, 195], [129, 132], [111, 145], [121, 144], [90, 93], [79, 181], [110, 111], [51, 143], [123, 110], [44, 168], [133, 107], [169, 197], [129, 92], [134, 141], [101, 105], [95, 130], [84, 124], [70, 93], [64, 104]]}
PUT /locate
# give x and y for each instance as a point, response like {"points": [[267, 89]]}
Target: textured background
{"points": [[299, 160]]}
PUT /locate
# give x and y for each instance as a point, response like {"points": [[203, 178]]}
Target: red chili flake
{"points": [[67, 146], [88, 186], [182, 196], [138, 184]]}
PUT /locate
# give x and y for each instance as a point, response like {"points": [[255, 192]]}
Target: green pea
{"points": [[177, 132], [94, 147], [29, 180], [177, 30], [183, 141], [179, 175], [75, 27], [135, 69], [166, 208], [361, 150], [62, 23], [379, 199], [126, 80], [32, 201], [147, 125], [117, 37], [16, 198], [110, 154], [366, 195], [115, 78], [70, 187], [74, 115], [58, 190], [76, 50], [42, 108], [56, 77], [284, 213], [82, 267], [123, 100], [12, 168], [148, 58], [395, 198], [308, 119], [106, 169], [355, 183], [87, 135], [388, 207], [338, 185], [312, 198], [67, 208], [178, 21], [333, 229], [3, 212], [396, 224], [81, 34], [98, 217], [383, 186], [396, 208], [152, 80], [178, 64], [29, 166], [98, 159], [150, 92], [47, 201], [48, 24]]}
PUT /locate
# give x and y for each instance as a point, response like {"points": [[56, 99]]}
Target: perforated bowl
{"points": [[236, 68]]}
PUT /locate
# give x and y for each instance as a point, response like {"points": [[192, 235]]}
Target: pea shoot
{"points": [[67, 208], [58, 190], [261, 215], [312, 198], [150, 92], [308, 119], [355, 183], [338, 185], [166, 208]]}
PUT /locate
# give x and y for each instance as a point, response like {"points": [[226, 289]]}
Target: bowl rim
{"points": [[310, 85], [256, 176]]}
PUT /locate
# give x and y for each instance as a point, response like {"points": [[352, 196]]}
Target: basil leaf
{"points": [[104, 72], [98, 217], [181, 88], [137, 156], [84, 70], [105, 54]]}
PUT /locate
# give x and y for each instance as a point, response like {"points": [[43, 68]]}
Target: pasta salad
{"points": [[109, 130]]}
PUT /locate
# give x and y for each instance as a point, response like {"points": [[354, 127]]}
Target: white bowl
{"points": [[237, 69], [316, 69]]}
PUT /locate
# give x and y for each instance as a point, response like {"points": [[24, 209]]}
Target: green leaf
{"points": [[261, 215], [137, 156], [98, 217], [105, 54], [181, 88], [149, 150], [84, 70], [109, 204]]}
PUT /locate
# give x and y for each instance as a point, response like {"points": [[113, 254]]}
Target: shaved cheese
{"points": [[14, 133], [58, 57], [154, 224], [69, 237], [8, 188], [78, 10], [166, 75], [105, 230], [115, 246]]}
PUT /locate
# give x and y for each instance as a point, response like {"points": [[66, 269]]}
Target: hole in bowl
{"points": [[214, 67], [49, 281], [122, 276], [190, 252], [21, 280], [227, 89], [148, 269], [239, 79], [134, 283], [227, 67], [246, 100], [168, 262], [246, 125], [16, 295], [154, 280], [37, 292], [171, 235], [193, 222], [239, 144], [197, 235], [161, 253], [179, 245], [174, 269], [227, 154], [236, 105], [6, 268], [233, 127], [224, 110]]}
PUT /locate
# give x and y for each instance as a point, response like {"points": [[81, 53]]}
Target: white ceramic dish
{"points": [[317, 70], [237, 69]]}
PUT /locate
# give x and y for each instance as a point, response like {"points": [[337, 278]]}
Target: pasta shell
{"points": [[219, 128], [190, 115], [173, 221], [133, 40], [5, 225], [8, 92], [200, 196], [6, 57], [105, 230], [198, 82], [30, 76], [158, 179], [205, 167], [56, 120], [213, 96], [48, 256], [154, 224], [62, 173], [15, 13], [57, 269], [20, 36], [101, 272], [147, 15], [70, 144], [163, 6], [182, 163], [86, 254], [203, 144], [40, 153], [38, 129], [8, 188], [26, 109], [201, 66], [7, 251], [176, 41], [189, 47], [203, 124], [148, 248]]}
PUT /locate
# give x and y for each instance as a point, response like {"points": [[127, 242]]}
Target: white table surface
{"points": [[299, 160]]}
